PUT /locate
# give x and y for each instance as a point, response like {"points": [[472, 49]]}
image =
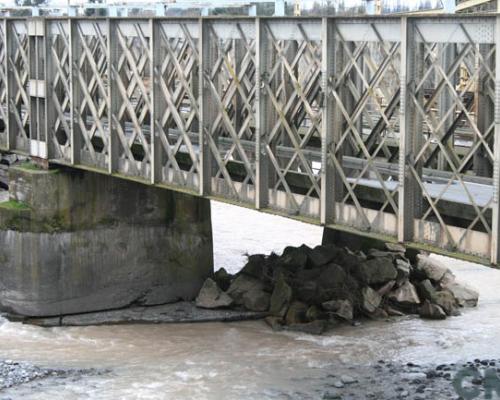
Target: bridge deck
{"points": [[384, 126]]}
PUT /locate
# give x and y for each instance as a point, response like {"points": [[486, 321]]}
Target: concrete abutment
{"points": [[75, 241]]}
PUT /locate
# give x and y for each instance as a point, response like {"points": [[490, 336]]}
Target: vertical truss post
{"points": [[328, 181], [207, 52], [484, 113], [75, 95], [37, 143], [158, 103], [239, 54], [113, 96], [262, 118], [10, 85], [288, 90], [410, 126], [495, 234], [447, 56], [50, 75]]}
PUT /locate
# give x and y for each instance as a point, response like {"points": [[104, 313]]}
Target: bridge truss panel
{"points": [[58, 81], [451, 96], [389, 126], [228, 93], [365, 149], [90, 93], [176, 106], [129, 86], [18, 68], [291, 86]]}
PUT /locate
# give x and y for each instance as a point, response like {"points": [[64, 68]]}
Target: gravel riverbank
{"points": [[387, 380], [14, 374]]}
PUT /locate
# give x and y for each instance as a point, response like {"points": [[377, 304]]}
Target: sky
{"points": [[388, 4]]}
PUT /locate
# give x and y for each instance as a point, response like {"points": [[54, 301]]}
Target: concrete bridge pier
{"points": [[76, 241]]}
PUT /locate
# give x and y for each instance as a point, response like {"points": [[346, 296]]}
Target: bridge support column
{"points": [[78, 241]]}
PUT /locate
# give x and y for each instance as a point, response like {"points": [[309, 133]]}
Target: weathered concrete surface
{"points": [[76, 242]]}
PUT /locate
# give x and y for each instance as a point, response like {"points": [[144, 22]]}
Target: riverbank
{"points": [[383, 379], [16, 374]]}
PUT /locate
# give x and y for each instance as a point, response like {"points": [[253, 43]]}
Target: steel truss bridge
{"points": [[386, 126]]}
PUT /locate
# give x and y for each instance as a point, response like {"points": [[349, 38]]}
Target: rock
{"points": [[242, 284], [223, 279], [304, 275], [403, 269], [341, 308], [377, 270], [348, 379], [255, 266], [332, 276], [322, 255], [314, 313], [431, 311], [464, 296], [307, 291], [275, 323], [395, 247], [431, 268], [373, 253], [295, 257], [211, 296], [447, 302], [280, 298], [256, 300], [314, 328], [371, 299], [383, 290], [379, 313], [427, 290], [393, 312], [406, 295], [296, 313], [447, 279], [332, 396]]}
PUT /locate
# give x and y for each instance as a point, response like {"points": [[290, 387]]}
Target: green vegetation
{"points": [[14, 205], [29, 166]]}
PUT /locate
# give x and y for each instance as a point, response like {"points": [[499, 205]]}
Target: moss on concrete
{"points": [[14, 205], [15, 215]]}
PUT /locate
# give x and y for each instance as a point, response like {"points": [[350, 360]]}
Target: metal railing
{"points": [[384, 125]]}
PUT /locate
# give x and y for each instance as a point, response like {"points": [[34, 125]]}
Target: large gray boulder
{"points": [[211, 296], [340, 308], [371, 299], [375, 271], [322, 255], [256, 300], [447, 302], [427, 290], [241, 285], [431, 311], [280, 298], [296, 313], [403, 271], [295, 257], [464, 295], [406, 295], [431, 268]]}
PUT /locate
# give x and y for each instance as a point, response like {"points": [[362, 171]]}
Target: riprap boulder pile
{"points": [[312, 290]]}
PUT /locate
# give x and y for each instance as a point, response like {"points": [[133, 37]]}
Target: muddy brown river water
{"points": [[245, 360]]}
